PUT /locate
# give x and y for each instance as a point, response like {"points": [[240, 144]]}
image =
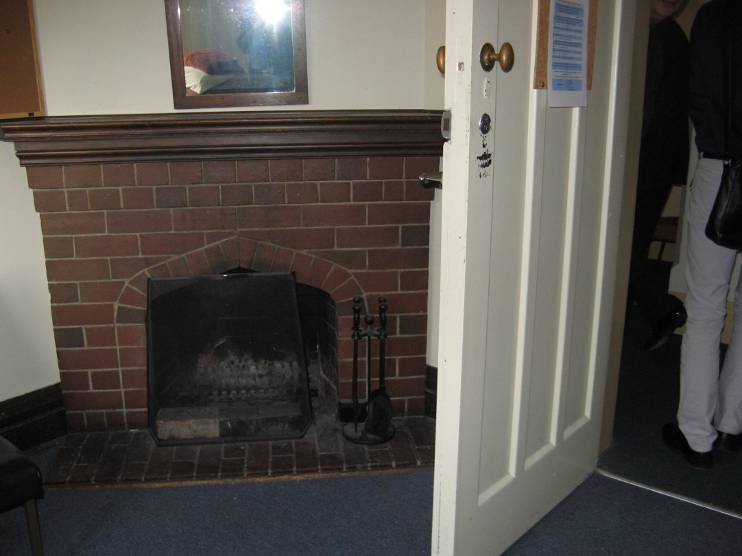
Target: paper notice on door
{"points": [[568, 53]]}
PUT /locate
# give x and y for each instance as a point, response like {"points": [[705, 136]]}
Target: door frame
{"points": [[626, 226]]}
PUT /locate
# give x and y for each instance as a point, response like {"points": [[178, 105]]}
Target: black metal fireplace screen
{"points": [[226, 359]]}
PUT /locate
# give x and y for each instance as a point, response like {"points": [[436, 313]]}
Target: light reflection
{"points": [[271, 11]]}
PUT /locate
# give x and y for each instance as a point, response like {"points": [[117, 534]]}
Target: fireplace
{"points": [[226, 359], [331, 197]]}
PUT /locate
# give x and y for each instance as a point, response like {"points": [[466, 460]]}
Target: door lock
{"points": [[485, 124]]}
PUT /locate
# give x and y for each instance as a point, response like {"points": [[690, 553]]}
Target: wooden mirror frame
{"points": [[216, 100]]}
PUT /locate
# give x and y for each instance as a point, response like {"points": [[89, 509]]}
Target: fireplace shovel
{"points": [[379, 415]]}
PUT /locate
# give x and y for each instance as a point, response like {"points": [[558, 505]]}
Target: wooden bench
{"points": [[666, 232]]}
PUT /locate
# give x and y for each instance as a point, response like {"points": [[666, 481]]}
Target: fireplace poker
{"points": [[369, 320], [356, 336]]}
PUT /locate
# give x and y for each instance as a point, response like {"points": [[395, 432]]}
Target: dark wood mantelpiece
{"points": [[224, 135]]}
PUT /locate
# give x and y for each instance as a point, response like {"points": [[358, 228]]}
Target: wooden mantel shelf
{"points": [[224, 135]]}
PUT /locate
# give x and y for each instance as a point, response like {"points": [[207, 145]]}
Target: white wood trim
{"points": [[453, 251], [529, 260], [616, 143], [569, 259]]}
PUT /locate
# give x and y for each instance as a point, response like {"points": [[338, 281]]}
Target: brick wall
{"points": [[351, 226]]}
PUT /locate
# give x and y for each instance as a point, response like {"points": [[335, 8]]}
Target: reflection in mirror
{"points": [[237, 52]]}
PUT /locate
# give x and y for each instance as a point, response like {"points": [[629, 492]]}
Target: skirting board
{"points": [[34, 418]]}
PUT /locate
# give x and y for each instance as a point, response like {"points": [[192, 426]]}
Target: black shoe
{"points": [[665, 328], [674, 438], [727, 442]]}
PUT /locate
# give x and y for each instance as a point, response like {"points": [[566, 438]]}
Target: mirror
{"points": [[237, 52]]}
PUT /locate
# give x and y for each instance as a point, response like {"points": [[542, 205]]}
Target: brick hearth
{"points": [[351, 226]]}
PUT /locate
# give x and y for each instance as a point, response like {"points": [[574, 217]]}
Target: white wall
{"points": [[435, 36], [363, 54], [111, 57], [27, 358]]}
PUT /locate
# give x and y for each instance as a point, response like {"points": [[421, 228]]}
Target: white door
{"points": [[528, 248]]}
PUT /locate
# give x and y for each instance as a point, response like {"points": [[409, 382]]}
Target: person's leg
{"points": [[729, 413], [708, 274]]}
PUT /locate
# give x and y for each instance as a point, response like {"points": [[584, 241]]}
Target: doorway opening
{"points": [[648, 387]]}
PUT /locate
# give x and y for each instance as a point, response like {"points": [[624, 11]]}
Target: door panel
{"points": [[527, 253], [542, 402], [570, 336]]}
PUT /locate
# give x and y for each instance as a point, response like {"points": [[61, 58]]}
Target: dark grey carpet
{"points": [[362, 514], [604, 516], [387, 514], [647, 398]]}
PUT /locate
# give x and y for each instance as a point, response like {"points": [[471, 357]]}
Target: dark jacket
{"points": [[708, 83], [665, 127]]}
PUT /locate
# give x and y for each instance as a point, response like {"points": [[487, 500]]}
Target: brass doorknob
{"points": [[440, 59], [488, 56]]}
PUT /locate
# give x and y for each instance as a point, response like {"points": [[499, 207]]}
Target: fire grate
{"points": [[226, 359]]}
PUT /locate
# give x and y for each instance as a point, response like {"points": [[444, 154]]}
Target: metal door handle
{"points": [[440, 59], [432, 179], [488, 56]]}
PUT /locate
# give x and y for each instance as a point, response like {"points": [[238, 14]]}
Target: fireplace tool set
{"points": [[377, 427]]}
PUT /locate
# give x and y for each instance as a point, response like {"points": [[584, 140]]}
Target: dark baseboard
{"points": [[431, 390], [34, 418]]}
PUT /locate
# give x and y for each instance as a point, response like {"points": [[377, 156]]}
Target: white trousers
{"points": [[708, 401]]}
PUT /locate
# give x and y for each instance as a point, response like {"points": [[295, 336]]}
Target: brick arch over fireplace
{"points": [[234, 252]]}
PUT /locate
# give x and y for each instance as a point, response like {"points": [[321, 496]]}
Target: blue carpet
{"points": [[385, 514], [382, 515], [604, 516]]}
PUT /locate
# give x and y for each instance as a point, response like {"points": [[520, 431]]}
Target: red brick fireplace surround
{"points": [[332, 196]]}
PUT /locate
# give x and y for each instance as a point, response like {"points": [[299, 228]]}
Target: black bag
{"points": [[724, 226]]}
